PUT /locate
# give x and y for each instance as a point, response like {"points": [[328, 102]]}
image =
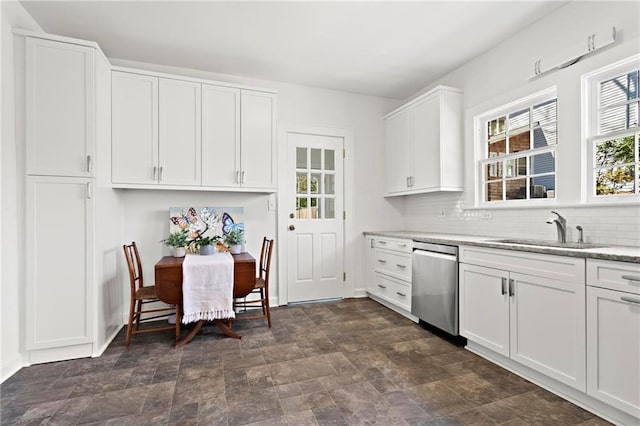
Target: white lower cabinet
{"points": [[536, 320], [60, 263], [389, 273], [613, 334]]}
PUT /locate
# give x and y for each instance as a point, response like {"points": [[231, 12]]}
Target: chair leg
{"points": [[265, 306], [138, 315], [178, 320], [130, 323]]}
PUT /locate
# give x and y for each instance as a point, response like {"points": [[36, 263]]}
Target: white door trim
{"points": [[282, 218]]}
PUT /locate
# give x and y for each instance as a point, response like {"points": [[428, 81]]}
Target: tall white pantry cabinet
{"points": [[73, 297]]}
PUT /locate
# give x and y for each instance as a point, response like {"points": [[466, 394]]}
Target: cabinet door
{"points": [[179, 143], [548, 327], [398, 151], [613, 348], [134, 128], [60, 106], [59, 271], [426, 143], [258, 145], [220, 136], [370, 258], [484, 307]]}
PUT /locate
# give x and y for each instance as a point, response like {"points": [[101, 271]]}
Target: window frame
{"points": [[591, 112], [482, 158]]}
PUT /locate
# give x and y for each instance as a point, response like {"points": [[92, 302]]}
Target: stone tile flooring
{"points": [[336, 363]]}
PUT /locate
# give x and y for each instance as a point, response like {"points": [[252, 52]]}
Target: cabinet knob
{"points": [[292, 228]]}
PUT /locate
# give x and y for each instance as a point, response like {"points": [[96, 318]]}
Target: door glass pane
{"points": [[545, 113], [315, 183], [314, 209], [497, 147], [301, 183], [301, 207], [329, 159], [545, 135], [494, 191], [329, 208], [316, 159], [615, 181], [516, 189], [301, 158], [543, 163], [329, 184], [543, 187]]}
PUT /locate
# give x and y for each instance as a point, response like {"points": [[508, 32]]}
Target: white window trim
{"points": [[480, 151], [590, 96]]}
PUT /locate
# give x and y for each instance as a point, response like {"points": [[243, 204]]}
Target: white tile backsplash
{"points": [[445, 213]]}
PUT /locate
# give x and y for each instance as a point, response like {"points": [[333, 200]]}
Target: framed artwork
{"points": [[205, 221]]}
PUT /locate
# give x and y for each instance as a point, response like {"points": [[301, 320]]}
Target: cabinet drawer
{"points": [[392, 263], [393, 291], [619, 276], [563, 268], [405, 246]]}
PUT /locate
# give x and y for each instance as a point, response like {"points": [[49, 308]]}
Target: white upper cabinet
{"points": [[188, 134], [220, 136], [60, 102], [258, 147], [423, 141], [134, 128], [179, 142], [398, 150]]}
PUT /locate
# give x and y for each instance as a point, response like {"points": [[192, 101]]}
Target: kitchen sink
{"points": [[544, 243]]}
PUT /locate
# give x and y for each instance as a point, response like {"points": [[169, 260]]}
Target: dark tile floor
{"points": [[338, 363]]}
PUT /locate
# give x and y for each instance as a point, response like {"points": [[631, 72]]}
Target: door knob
{"points": [[291, 227]]}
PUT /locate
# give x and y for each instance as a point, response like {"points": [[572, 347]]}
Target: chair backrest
{"points": [[265, 260], [135, 267]]}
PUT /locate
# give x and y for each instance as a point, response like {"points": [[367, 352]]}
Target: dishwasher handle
{"points": [[450, 257]]}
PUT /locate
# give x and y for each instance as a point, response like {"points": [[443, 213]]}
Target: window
{"points": [[517, 155], [612, 107]]}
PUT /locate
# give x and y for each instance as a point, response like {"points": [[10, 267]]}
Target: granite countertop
{"points": [[608, 252]]}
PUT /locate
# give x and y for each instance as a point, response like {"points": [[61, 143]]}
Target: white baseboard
{"points": [[11, 367], [61, 353], [564, 391], [104, 347], [401, 311], [360, 292]]}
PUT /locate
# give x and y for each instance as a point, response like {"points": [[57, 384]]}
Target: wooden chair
{"points": [[141, 295], [260, 287]]}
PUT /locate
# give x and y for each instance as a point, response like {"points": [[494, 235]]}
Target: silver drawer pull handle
{"points": [[382, 261], [382, 242], [401, 266], [382, 286], [401, 245], [400, 294], [630, 300], [631, 278]]}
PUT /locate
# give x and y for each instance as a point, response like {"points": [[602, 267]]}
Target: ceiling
{"points": [[389, 49]]}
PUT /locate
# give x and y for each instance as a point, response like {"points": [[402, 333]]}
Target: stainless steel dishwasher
{"points": [[434, 287]]}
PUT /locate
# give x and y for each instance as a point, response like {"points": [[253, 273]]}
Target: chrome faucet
{"points": [[581, 237], [561, 226]]}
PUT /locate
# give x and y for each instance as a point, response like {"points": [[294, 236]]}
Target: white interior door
{"points": [[315, 225]]}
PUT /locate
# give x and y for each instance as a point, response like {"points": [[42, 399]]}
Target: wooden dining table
{"points": [[168, 280]]}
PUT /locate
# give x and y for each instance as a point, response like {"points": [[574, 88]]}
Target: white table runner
{"points": [[207, 287]]}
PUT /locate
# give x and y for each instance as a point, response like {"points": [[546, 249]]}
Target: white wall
{"points": [[146, 211], [12, 264], [501, 75]]}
